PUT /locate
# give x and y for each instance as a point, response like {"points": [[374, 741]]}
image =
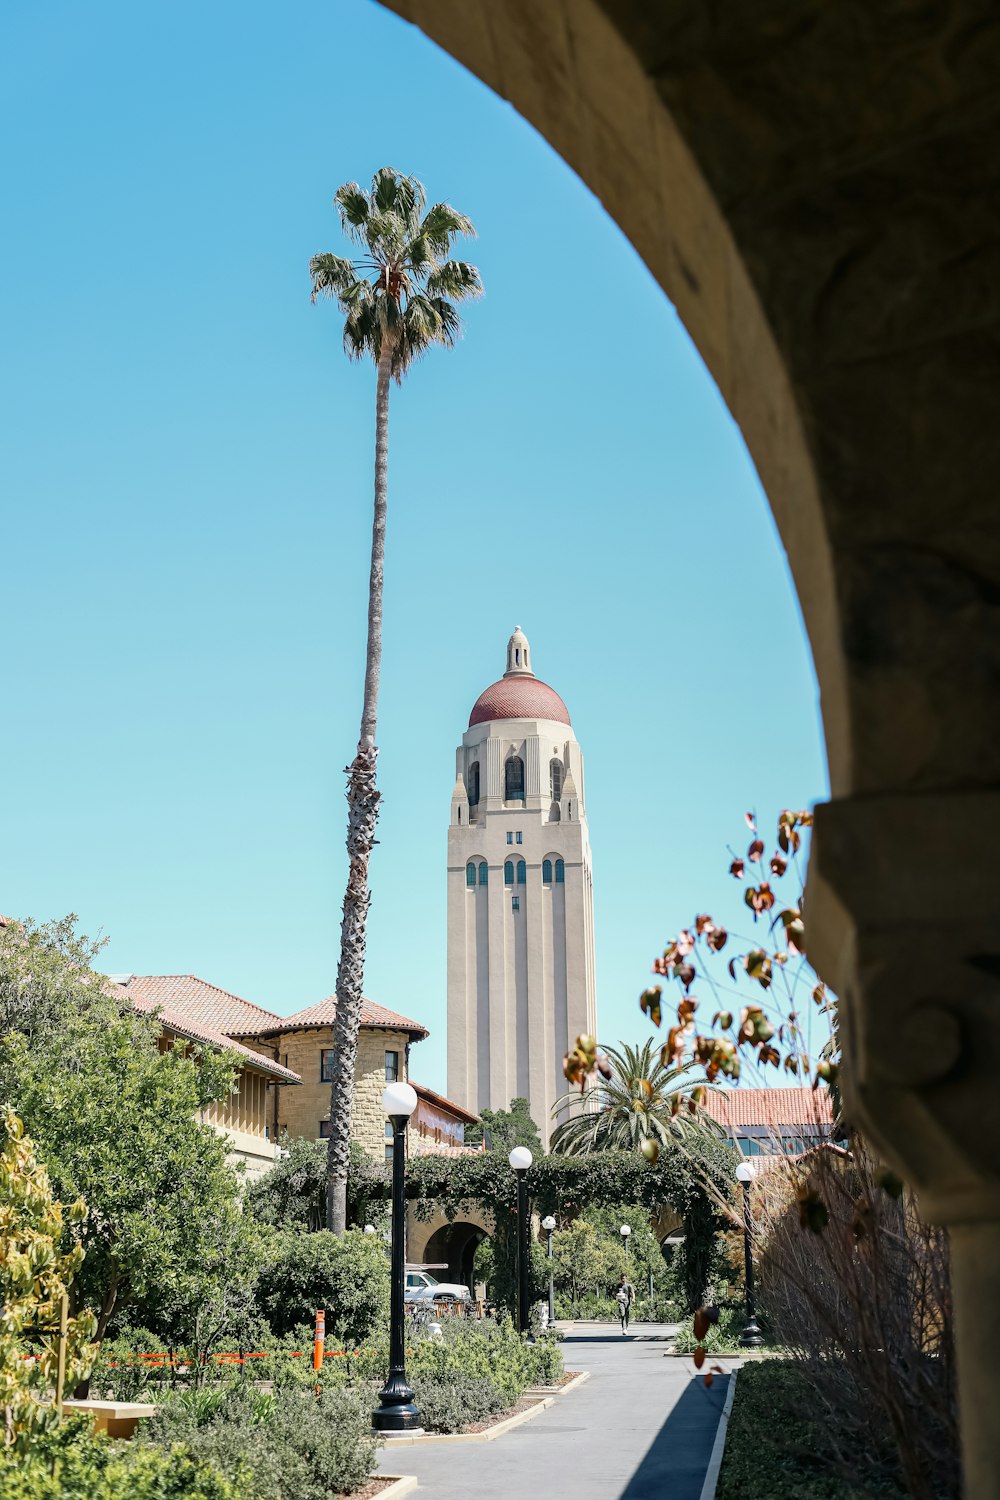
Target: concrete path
{"points": [[641, 1428]]}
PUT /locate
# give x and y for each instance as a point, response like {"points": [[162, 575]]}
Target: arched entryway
{"points": [[814, 187]]}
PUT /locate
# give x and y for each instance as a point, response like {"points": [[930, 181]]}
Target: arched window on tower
{"points": [[555, 779], [508, 872], [521, 874], [560, 872], [513, 780], [473, 784], [470, 873], [546, 872], [484, 871]]}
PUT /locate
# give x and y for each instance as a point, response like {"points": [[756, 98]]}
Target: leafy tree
{"points": [[507, 1128], [114, 1117], [346, 1275], [399, 299], [35, 1275], [641, 1104]]}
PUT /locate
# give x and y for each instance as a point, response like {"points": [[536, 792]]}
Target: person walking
{"points": [[625, 1296]]}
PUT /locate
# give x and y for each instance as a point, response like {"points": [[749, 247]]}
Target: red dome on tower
{"points": [[519, 698], [519, 694]]}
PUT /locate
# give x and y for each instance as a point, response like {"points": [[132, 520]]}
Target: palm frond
{"points": [[455, 278], [332, 276], [352, 202], [393, 191], [441, 223]]}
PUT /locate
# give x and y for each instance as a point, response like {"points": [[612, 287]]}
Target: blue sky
{"points": [[186, 473]]}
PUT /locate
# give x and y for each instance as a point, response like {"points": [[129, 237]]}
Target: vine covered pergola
{"points": [[689, 1178]]}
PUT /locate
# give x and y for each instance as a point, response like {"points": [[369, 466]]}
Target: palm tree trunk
{"points": [[362, 816]]}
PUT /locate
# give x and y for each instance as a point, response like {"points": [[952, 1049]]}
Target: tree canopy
{"points": [[641, 1102], [115, 1119], [503, 1129], [399, 294]]}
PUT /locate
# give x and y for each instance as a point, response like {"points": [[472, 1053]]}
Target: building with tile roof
{"points": [[772, 1121], [298, 1049]]}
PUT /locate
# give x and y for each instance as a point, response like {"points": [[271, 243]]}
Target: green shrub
{"points": [[491, 1349], [121, 1375], [723, 1337], [289, 1443], [545, 1360], [451, 1401], [70, 1463], [347, 1276], [780, 1445]]}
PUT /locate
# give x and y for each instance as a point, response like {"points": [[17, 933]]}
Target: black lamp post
{"points": [[751, 1337], [396, 1411], [548, 1224], [520, 1159]]}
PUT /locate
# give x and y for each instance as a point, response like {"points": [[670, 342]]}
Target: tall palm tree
{"points": [[398, 299], [641, 1101]]}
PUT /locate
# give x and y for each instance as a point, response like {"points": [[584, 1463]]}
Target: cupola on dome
{"points": [[519, 694]]}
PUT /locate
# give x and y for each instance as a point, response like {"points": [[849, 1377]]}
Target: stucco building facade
{"points": [[521, 983]]}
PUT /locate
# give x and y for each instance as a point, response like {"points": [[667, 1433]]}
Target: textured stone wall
{"points": [[302, 1107]]}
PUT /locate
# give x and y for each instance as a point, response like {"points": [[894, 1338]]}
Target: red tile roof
{"points": [[197, 1031], [742, 1107], [519, 698], [440, 1102], [195, 998], [187, 995], [323, 1014], [424, 1146]]}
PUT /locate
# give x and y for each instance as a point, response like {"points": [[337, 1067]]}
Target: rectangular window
{"points": [[518, 838], [324, 1130], [389, 1140], [392, 1067], [326, 1065], [388, 1151], [510, 838], [515, 903]]}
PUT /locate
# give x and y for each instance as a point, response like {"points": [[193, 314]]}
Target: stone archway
{"points": [[445, 1244], [815, 188]]}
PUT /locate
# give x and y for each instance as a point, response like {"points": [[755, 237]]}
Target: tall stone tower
{"points": [[520, 897]]}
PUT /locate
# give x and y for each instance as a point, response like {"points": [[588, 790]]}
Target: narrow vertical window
{"points": [[560, 872], [392, 1067], [555, 779], [483, 872], [326, 1065], [546, 872], [514, 779], [515, 903], [510, 837], [520, 872], [508, 872], [519, 837], [470, 874], [324, 1130], [472, 786]]}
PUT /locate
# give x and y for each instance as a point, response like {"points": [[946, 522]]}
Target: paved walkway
{"points": [[641, 1428]]}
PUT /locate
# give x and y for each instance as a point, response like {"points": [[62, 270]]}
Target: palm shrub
{"points": [[398, 298], [641, 1103]]}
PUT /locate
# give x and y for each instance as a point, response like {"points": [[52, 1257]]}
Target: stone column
{"points": [[903, 919]]}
